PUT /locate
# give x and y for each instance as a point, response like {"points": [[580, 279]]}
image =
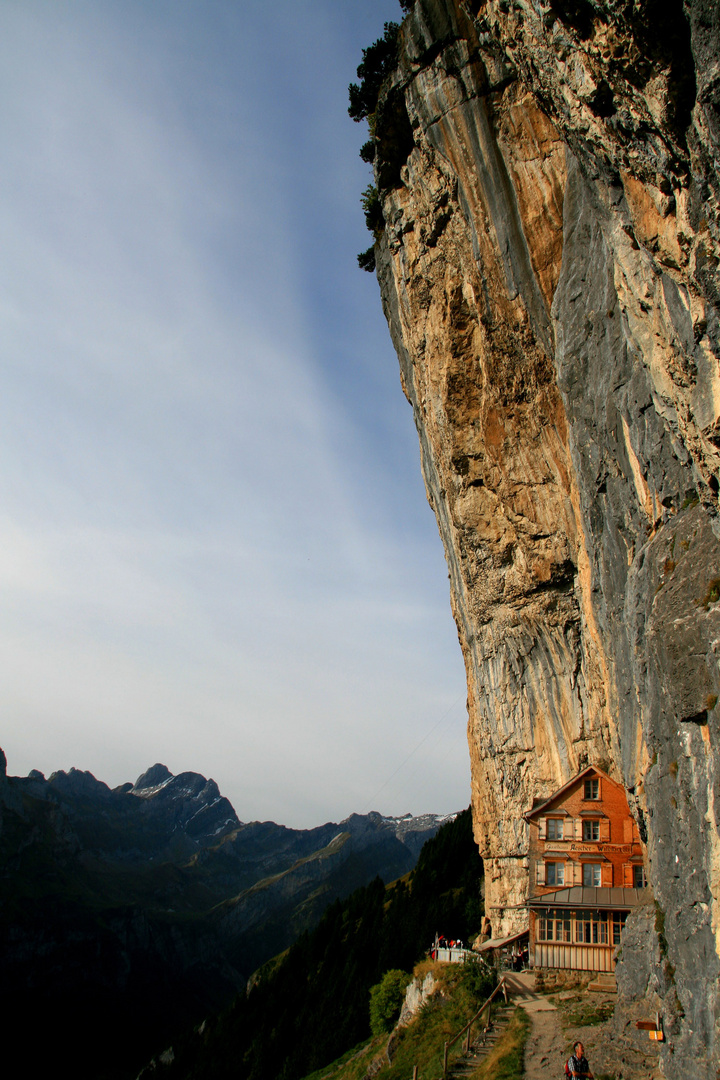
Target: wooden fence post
{"points": [[415, 1071], [445, 1057]]}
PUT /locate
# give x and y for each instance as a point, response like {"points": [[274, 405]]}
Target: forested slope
{"points": [[312, 1005]]}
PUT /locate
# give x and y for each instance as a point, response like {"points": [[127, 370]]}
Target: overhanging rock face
{"points": [[549, 183]]}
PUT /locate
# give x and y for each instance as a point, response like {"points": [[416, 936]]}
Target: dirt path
{"points": [[554, 1031], [545, 1050]]}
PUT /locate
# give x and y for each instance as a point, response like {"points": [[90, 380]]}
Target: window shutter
{"points": [[627, 831], [577, 873], [541, 828], [607, 875], [628, 875], [605, 829], [578, 828], [540, 866]]}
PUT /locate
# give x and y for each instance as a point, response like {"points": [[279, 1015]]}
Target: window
{"points": [[591, 830], [639, 878], [591, 874], [619, 918], [554, 873], [554, 829], [583, 927], [550, 928], [592, 789]]}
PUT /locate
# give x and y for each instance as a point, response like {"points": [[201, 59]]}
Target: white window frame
{"points": [[591, 825], [558, 872], [590, 872], [554, 826]]}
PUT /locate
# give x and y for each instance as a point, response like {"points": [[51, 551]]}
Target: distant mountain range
{"points": [[135, 910]]}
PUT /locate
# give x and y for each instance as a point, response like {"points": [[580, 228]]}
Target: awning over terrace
{"points": [[500, 943]]}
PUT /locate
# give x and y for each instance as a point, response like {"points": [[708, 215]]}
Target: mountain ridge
{"points": [[148, 905]]}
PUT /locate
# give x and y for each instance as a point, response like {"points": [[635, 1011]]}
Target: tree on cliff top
{"points": [[378, 61]]}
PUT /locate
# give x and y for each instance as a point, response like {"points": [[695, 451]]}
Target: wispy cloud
{"points": [[215, 547]]}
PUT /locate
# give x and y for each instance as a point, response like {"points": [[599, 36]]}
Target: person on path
{"points": [[578, 1063]]}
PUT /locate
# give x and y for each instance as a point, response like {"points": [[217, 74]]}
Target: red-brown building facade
{"points": [[586, 873]]}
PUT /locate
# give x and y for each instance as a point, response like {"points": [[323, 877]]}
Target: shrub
{"points": [[479, 978], [367, 151], [386, 999], [370, 201], [378, 61], [366, 259]]}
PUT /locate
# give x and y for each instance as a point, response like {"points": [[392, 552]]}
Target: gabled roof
{"points": [[586, 772]]}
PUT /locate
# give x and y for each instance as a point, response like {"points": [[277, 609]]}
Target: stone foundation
{"points": [[549, 979]]}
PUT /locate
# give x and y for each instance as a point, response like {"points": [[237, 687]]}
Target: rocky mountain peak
{"points": [[78, 782], [153, 778], [187, 803]]}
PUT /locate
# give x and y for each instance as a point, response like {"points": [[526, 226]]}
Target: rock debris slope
{"points": [[548, 179]]}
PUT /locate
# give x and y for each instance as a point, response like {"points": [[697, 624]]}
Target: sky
{"points": [[215, 546]]}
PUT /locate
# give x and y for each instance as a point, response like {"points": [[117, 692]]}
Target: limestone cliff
{"points": [[548, 263]]}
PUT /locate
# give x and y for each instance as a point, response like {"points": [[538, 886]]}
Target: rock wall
{"points": [[548, 267]]}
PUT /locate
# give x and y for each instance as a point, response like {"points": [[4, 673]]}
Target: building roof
{"points": [[543, 807], [582, 896], [498, 943]]}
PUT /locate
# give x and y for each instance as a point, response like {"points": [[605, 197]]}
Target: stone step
{"points": [[603, 983], [480, 1047]]}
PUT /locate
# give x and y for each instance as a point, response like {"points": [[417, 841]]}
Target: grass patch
{"points": [[506, 1060], [353, 1065], [583, 1013]]}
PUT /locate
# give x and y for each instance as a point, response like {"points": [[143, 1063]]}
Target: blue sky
{"points": [[216, 547]]}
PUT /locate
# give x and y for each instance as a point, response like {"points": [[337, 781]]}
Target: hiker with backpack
{"points": [[576, 1065]]}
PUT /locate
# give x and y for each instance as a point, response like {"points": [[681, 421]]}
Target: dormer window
{"points": [[591, 830], [592, 790], [554, 828]]}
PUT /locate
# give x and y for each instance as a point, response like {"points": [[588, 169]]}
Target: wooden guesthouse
{"points": [[586, 873]]}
